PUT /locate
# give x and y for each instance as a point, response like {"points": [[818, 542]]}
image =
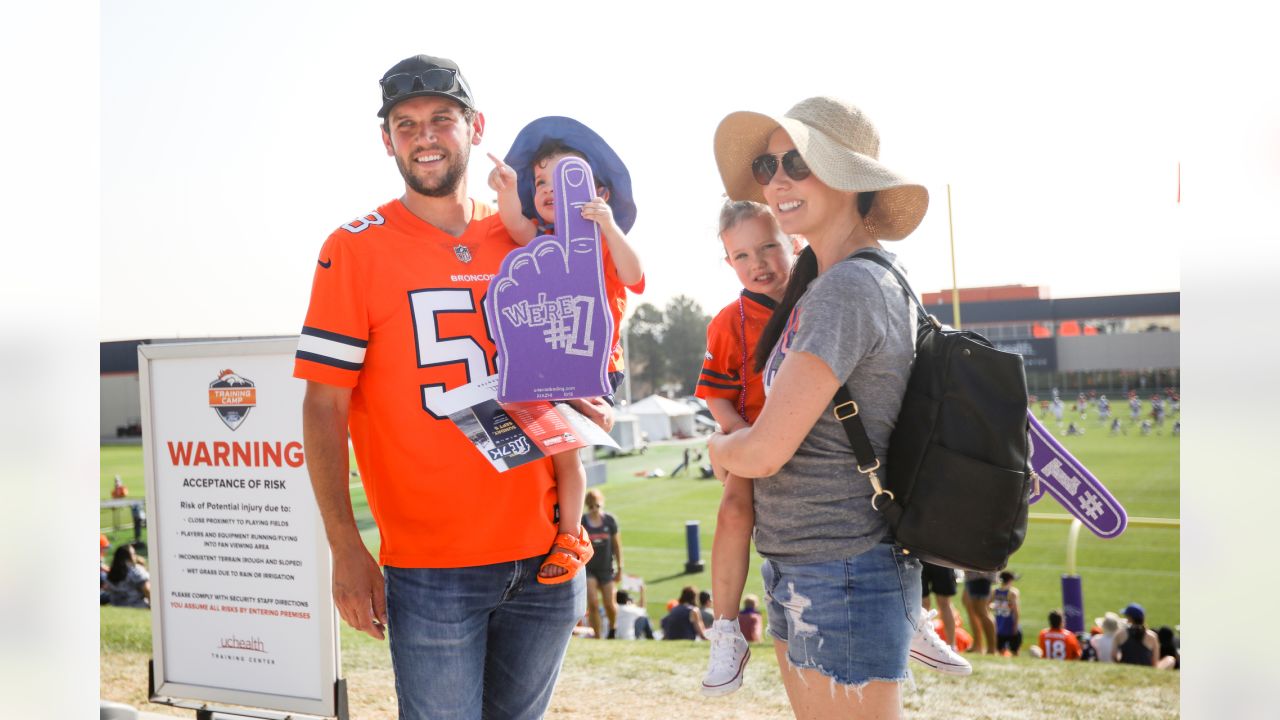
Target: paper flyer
{"points": [[510, 435]]}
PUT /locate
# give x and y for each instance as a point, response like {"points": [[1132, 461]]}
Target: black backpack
{"points": [[959, 479]]}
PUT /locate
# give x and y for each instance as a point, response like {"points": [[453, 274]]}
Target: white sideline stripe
{"points": [[331, 348]]}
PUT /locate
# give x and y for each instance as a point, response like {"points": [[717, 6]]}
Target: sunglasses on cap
{"points": [[765, 167], [443, 80]]}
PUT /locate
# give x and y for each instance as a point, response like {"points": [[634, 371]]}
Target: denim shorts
{"points": [[478, 642], [850, 619]]}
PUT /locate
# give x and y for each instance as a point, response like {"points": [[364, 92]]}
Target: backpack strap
{"points": [[846, 411], [880, 260]]}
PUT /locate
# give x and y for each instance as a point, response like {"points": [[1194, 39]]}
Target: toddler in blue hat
{"points": [[526, 205]]}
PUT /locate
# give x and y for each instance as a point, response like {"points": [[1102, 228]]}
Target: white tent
{"points": [[661, 418]]}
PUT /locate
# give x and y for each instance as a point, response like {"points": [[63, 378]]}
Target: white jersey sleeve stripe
{"points": [[326, 348]]}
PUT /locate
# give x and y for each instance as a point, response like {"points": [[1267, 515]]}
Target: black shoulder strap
{"points": [[880, 260], [846, 410]]}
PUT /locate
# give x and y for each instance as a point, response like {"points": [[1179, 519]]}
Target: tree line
{"points": [[665, 347]]}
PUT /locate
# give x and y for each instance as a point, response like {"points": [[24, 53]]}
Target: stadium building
{"points": [[1109, 344]]}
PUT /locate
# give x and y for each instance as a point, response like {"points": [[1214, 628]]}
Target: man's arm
{"points": [[358, 590], [597, 410]]}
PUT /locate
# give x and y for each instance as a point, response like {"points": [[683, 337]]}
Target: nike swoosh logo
{"points": [[325, 264]]}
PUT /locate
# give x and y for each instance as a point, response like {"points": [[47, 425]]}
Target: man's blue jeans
{"points": [[479, 642]]}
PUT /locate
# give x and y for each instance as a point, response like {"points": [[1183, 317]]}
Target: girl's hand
{"points": [[715, 439]]}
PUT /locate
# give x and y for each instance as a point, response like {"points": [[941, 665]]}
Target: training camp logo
{"points": [[232, 397]]}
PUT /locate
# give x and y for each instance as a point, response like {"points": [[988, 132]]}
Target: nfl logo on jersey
{"points": [[463, 253]]}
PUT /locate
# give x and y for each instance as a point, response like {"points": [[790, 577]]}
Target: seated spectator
{"points": [[705, 608], [1055, 643], [964, 641], [684, 622], [103, 569], [1135, 644], [633, 621], [1169, 656], [749, 619], [1104, 642], [1087, 653], [128, 584]]}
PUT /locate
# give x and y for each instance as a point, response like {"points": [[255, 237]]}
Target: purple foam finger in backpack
{"points": [[1061, 475], [547, 307]]}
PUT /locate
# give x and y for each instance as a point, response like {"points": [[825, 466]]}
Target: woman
{"points": [[843, 600], [683, 621], [602, 528], [128, 584]]}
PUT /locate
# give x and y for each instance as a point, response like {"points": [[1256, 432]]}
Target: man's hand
{"points": [[597, 410], [358, 591]]}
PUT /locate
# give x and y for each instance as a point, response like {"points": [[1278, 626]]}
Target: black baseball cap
{"points": [[423, 75]]}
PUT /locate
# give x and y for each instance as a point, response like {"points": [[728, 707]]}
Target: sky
{"points": [[237, 135]]}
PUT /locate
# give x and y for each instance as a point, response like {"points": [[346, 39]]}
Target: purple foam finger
{"points": [[547, 305], [1061, 475]]}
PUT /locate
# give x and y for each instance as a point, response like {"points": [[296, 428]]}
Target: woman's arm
{"points": [[798, 396], [617, 554]]}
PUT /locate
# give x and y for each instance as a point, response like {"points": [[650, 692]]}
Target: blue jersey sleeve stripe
{"points": [[335, 337], [721, 386], [326, 360]]}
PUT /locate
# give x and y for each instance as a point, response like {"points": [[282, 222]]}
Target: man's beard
{"points": [[447, 185]]}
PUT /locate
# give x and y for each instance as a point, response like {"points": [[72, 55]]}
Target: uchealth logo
{"points": [[232, 397]]}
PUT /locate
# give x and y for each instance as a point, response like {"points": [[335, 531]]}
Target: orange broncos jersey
{"points": [[397, 314], [617, 294], [727, 365], [1059, 644]]}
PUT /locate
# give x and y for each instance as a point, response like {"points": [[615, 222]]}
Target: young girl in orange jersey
{"points": [[527, 207], [761, 255]]}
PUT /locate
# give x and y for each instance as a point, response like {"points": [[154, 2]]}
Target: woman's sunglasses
{"points": [[765, 167]]}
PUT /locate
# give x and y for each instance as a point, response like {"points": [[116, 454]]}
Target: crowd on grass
{"points": [[1165, 411], [124, 582], [991, 602]]}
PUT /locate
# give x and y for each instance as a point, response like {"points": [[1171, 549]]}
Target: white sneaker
{"points": [[729, 656], [930, 650]]}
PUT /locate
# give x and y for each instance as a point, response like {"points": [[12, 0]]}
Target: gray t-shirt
{"points": [[856, 318]]}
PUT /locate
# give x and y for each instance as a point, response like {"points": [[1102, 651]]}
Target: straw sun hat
{"points": [[841, 146]]}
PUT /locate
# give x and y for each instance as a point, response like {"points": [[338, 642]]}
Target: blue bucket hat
{"points": [[606, 166]]}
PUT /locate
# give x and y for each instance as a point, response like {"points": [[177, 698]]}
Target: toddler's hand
{"points": [[599, 212], [503, 177]]}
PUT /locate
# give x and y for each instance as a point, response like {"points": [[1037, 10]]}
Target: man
{"points": [[394, 333], [1056, 643]]}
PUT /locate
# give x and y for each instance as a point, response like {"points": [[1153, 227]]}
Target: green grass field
{"points": [[1141, 565]]}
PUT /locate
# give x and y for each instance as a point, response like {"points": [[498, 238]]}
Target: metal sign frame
{"points": [[165, 690]]}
